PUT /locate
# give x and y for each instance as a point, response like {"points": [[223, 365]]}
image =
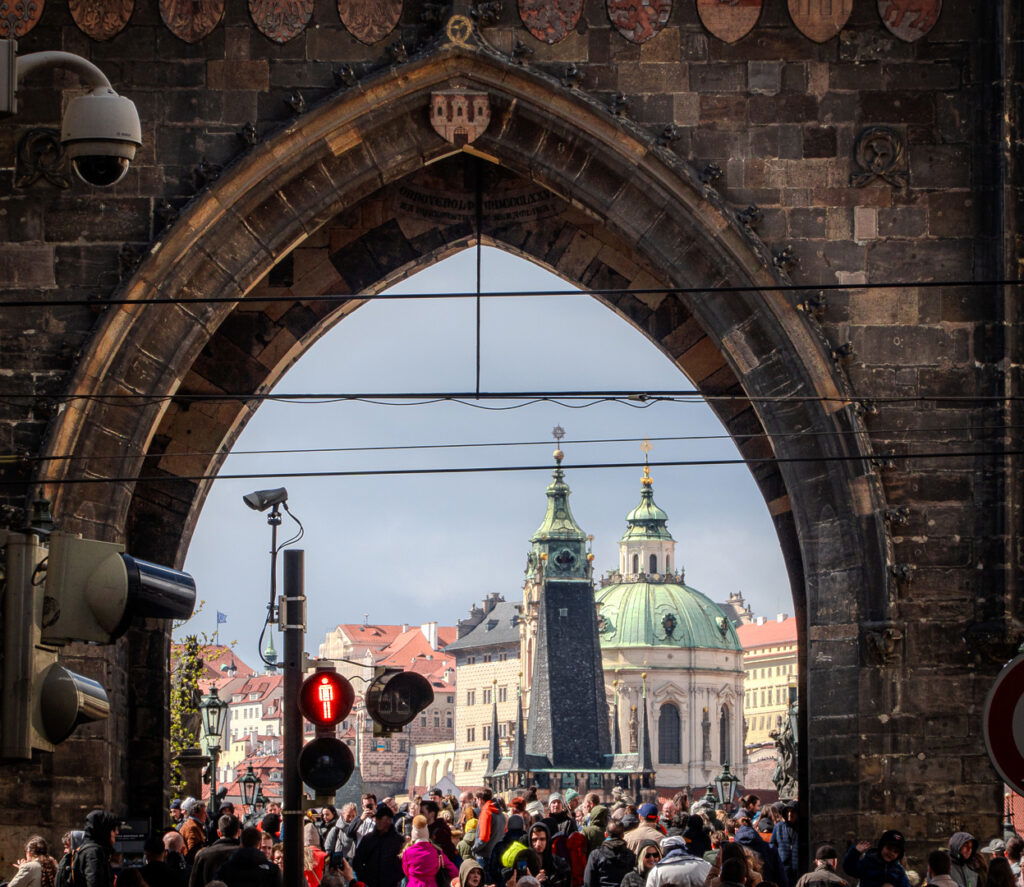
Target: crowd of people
{"points": [[479, 840]]}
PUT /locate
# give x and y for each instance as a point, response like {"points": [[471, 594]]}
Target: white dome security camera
{"points": [[101, 132]]}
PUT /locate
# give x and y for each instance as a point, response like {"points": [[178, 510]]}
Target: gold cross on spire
{"points": [[645, 448]]}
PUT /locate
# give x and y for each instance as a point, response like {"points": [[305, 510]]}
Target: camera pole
{"points": [[293, 627]]}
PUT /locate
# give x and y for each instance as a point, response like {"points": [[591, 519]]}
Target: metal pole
{"points": [[293, 626]]}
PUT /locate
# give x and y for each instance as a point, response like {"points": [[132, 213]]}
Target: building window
{"points": [[487, 657], [654, 563], [470, 734], [467, 766], [437, 720], [502, 694], [487, 696], [471, 697], [487, 732], [724, 729], [669, 739], [449, 721], [502, 657], [471, 660], [451, 698], [503, 730]]}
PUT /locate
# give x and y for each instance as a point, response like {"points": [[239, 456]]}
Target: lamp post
{"points": [[726, 782], [709, 796], [212, 708], [251, 787]]}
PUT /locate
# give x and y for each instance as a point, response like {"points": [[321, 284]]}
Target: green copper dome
{"points": [[646, 521], [661, 614]]}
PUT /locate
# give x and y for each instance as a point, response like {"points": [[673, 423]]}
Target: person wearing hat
{"points": [[879, 865], [573, 801], [505, 851], [91, 866], [377, 862], [558, 820], [968, 866], [826, 859], [465, 847], [422, 860], [177, 814], [193, 829], [647, 830], [996, 847], [678, 867]]}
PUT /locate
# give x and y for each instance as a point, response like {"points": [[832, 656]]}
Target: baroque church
{"points": [[634, 681]]}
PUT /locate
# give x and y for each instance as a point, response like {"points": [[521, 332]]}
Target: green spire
{"points": [[559, 542], [269, 653], [646, 521]]}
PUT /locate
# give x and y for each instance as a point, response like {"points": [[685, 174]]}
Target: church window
{"points": [[654, 563], [669, 745], [668, 563], [636, 563], [724, 729]]}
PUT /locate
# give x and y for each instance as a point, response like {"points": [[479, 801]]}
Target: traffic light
{"points": [[69, 590], [325, 700], [395, 697]]}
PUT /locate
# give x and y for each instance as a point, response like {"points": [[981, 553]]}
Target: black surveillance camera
{"points": [[101, 132], [261, 500]]}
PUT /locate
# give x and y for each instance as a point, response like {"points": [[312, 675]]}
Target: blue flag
{"points": [[221, 617]]}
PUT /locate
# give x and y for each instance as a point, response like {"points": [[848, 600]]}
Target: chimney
{"points": [[405, 627], [429, 630], [761, 620], [781, 617]]}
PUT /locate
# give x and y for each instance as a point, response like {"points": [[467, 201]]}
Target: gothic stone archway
{"points": [[320, 197]]}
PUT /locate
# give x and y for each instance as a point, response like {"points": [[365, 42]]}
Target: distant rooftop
{"points": [[500, 627], [763, 632]]}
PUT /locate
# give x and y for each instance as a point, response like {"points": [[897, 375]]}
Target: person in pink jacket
{"points": [[422, 860]]}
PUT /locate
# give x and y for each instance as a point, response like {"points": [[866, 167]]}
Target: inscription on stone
{"points": [[820, 20], [18, 17], [550, 20], [909, 19], [455, 207], [729, 20], [370, 21], [281, 20], [639, 20], [191, 20], [101, 19]]}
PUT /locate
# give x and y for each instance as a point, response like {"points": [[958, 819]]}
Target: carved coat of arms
{"points": [[729, 20], [281, 20], [550, 20], [459, 115], [18, 17], [639, 20], [909, 19], [191, 20], [101, 19], [370, 21], [820, 20]]}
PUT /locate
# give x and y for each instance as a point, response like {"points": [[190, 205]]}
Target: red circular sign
{"points": [[1003, 724], [326, 698]]}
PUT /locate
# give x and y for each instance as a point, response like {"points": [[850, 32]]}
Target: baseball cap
{"points": [[647, 811]]}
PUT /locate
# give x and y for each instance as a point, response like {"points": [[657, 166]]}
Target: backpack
{"points": [[574, 849]]}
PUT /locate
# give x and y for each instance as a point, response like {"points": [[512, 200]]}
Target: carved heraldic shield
{"points": [[550, 20], [820, 20], [909, 19], [370, 21], [459, 115], [729, 20], [101, 19], [191, 20]]}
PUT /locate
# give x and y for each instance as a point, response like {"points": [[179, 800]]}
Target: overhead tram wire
{"points": [[796, 435], [497, 469], [630, 397], [515, 294]]}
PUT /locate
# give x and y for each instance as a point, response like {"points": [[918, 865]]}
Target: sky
{"points": [[413, 549]]}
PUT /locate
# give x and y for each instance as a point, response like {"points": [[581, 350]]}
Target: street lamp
{"points": [[709, 796], [251, 787], [212, 708], [726, 782]]}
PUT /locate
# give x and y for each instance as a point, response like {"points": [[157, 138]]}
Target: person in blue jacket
{"points": [[772, 867], [879, 865]]}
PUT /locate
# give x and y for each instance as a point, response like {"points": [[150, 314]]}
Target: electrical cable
{"points": [[514, 294], [796, 435], [494, 469]]}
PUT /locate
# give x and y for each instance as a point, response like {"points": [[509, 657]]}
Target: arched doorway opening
{"points": [[623, 214]]}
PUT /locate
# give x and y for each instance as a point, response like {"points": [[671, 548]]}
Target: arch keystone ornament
{"points": [[370, 21], [101, 19], [281, 20], [191, 20], [729, 20], [639, 20], [820, 20], [550, 21], [460, 115], [909, 20]]}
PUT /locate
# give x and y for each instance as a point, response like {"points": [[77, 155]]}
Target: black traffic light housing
{"points": [[69, 590], [395, 697], [326, 763]]}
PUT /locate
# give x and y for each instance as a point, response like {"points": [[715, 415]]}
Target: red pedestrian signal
{"points": [[326, 698]]}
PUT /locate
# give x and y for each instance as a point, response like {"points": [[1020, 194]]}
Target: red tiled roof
{"points": [[752, 635], [214, 656]]}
